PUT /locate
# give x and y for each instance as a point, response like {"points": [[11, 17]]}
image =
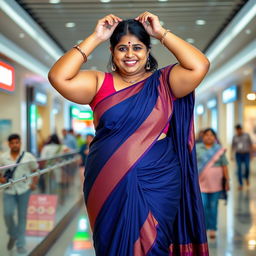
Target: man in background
{"points": [[242, 148], [69, 139], [17, 195]]}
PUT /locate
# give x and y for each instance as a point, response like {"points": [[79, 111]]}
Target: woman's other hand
{"points": [[151, 24], [105, 26]]}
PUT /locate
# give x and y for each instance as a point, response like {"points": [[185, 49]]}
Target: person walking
{"points": [[17, 195], [242, 149], [141, 183], [212, 168]]}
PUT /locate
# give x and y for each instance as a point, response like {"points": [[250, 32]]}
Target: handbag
{"points": [[223, 193], [9, 172]]}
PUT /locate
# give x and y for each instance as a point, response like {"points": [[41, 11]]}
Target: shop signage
{"points": [[41, 214], [230, 94], [40, 97], [7, 77], [212, 103]]}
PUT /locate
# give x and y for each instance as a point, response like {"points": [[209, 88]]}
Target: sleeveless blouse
{"points": [[107, 88]]}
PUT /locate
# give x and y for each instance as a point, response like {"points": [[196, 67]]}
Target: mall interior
{"points": [[34, 34]]}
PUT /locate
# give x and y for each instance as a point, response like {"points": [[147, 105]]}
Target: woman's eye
{"points": [[122, 49], [137, 48]]}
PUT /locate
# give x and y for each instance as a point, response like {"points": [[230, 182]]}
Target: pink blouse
{"points": [[107, 88]]}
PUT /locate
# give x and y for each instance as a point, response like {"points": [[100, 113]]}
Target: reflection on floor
{"points": [[236, 235]]}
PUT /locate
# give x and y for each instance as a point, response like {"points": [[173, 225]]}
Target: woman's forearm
{"points": [[188, 56], [225, 172], [70, 63]]}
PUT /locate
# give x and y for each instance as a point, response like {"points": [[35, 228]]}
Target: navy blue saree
{"points": [[142, 194]]}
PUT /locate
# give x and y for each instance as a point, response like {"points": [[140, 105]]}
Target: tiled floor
{"points": [[237, 225]]}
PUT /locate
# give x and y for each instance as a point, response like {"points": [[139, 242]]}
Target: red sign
{"points": [[41, 214], [7, 77]]}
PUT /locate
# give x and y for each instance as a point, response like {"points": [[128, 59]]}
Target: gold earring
{"points": [[113, 67], [148, 64]]}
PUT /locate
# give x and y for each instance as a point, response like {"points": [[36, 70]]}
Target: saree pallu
{"points": [[142, 195]]}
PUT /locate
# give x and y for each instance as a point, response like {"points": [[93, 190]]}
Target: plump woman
{"points": [[141, 185]]}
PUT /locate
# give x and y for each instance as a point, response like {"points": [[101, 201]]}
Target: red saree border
{"points": [[129, 152], [115, 98], [148, 234], [189, 249]]}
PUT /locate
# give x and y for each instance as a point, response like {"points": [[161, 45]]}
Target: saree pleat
{"points": [[142, 195]]}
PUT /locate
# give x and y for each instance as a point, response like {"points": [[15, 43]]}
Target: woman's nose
{"points": [[129, 52]]}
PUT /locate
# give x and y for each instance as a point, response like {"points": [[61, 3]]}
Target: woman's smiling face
{"points": [[130, 55]]}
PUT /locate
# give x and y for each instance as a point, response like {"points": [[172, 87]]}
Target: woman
{"points": [[212, 167], [141, 188]]}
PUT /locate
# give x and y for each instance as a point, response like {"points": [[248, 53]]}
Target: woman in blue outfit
{"points": [[141, 184]]}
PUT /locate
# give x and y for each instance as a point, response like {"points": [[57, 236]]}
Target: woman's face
{"points": [[209, 138], [130, 55]]}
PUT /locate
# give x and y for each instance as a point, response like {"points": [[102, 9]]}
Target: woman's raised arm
{"points": [[193, 64], [77, 85]]}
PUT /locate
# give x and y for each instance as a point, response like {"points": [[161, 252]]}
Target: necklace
{"points": [[132, 81]]}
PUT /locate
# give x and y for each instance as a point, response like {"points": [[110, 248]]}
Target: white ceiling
{"points": [[179, 16]]}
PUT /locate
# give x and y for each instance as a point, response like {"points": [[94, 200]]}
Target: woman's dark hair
{"points": [[132, 27], [53, 139], [213, 132]]}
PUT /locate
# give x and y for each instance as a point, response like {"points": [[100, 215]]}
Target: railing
{"points": [[39, 172], [59, 189]]}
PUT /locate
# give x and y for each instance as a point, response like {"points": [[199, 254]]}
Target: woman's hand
{"points": [[151, 24], [106, 26]]}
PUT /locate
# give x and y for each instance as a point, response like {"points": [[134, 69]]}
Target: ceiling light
{"points": [[251, 96], [200, 22], [21, 35], [54, 1], [105, 1], [162, 0], [190, 40], [248, 31], [70, 24]]}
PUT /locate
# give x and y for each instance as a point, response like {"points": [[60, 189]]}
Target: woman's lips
{"points": [[130, 63]]}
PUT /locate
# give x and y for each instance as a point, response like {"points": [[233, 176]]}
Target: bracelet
{"points": [[164, 35], [80, 50]]}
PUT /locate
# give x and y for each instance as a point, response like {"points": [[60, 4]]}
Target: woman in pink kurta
{"points": [[212, 167]]}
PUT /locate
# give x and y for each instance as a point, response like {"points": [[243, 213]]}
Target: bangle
{"points": [[80, 50], [164, 35]]}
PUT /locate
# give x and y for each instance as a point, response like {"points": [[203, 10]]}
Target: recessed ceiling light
{"points": [[70, 24], [105, 1], [162, 0], [161, 22], [21, 35], [200, 22], [54, 1], [251, 96], [248, 31], [190, 40]]}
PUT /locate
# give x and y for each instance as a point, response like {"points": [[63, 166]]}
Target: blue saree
{"points": [[142, 194]]}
